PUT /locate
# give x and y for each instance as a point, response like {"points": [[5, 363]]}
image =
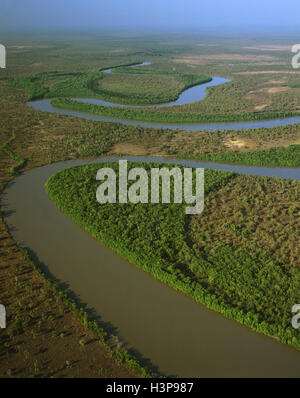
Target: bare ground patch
{"points": [[260, 107], [129, 149], [280, 89], [280, 81], [236, 143], [202, 59], [270, 72], [261, 96]]}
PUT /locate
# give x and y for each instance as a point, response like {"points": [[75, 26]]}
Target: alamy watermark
{"points": [[138, 192], [296, 57], [296, 318], [2, 56], [2, 317]]}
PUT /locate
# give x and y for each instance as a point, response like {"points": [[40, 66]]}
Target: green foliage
{"points": [[88, 84], [145, 89], [157, 115], [78, 86], [278, 157], [35, 85], [61, 84], [227, 103], [20, 161], [243, 285]]}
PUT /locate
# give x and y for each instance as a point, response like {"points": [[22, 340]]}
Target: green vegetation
{"points": [[155, 115], [248, 96], [145, 88], [244, 278], [15, 157], [63, 84], [162, 87], [294, 85], [265, 218], [277, 157]]}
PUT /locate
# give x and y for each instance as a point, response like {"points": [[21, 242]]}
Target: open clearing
{"points": [[202, 59], [270, 72]]}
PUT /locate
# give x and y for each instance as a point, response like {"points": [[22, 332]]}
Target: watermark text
{"points": [[138, 192], [2, 317], [2, 56], [296, 318], [296, 57]]}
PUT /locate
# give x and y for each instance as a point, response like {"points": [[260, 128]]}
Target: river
{"points": [[176, 334], [190, 95]]}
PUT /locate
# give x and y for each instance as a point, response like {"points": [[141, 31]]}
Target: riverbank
{"points": [[124, 277], [146, 115], [43, 138]]}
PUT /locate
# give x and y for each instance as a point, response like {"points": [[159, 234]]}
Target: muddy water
{"points": [[179, 336], [45, 105]]}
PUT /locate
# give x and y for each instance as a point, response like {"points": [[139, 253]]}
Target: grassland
{"points": [[30, 138], [277, 157]]}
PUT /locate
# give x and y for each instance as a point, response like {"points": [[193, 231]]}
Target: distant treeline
{"points": [[277, 157]]}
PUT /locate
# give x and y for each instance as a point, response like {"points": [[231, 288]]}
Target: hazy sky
{"points": [[151, 14]]}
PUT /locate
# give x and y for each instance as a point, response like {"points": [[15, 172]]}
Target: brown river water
{"points": [[178, 336]]}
